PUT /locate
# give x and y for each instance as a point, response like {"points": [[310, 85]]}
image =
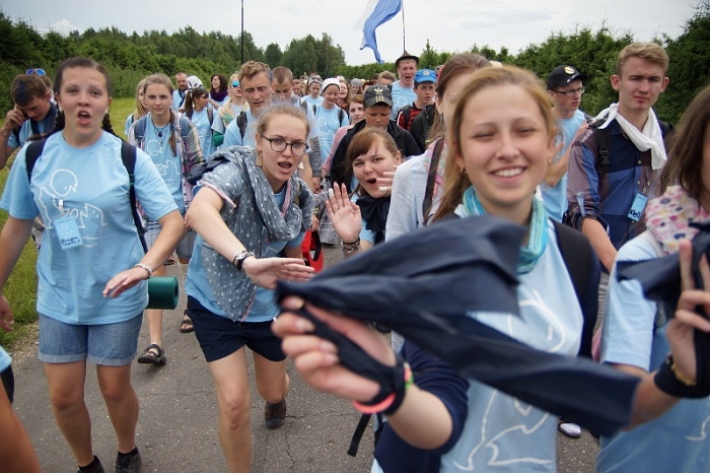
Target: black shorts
{"points": [[220, 337]]}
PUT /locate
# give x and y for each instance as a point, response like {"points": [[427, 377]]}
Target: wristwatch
{"points": [[238, 260]]}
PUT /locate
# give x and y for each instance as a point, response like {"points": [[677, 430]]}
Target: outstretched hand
{"points": [[680, 328], [266, 271], [344, 214], [317, 359]]}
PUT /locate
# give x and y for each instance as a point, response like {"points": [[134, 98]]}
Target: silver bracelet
{"points": [[145, 267]]}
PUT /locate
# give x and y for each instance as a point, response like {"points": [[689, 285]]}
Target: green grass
{"points": [[21, 289]]}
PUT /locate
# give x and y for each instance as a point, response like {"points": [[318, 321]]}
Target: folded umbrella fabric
{"points": [[423, 284]]}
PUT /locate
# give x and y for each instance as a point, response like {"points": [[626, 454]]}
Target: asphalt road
{"points": [[177, 426]]}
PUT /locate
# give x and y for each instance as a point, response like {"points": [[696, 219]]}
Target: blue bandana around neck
{"points": [[537, 238]]}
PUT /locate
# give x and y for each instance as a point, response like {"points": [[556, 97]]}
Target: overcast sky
{"points": [[450, 25]]}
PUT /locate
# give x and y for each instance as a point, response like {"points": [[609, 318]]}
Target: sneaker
{"points": [[131, 464], [98, 467], [274, 414]]}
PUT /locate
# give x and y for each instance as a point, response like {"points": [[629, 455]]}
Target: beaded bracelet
{"points": [[349, 248], [144, 267]]}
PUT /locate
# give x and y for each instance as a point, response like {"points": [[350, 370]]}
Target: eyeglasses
{"points": [[298, 148], [37, 72], [579, 90]]}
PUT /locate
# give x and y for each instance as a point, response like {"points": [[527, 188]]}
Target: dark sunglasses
{"points": [[37, 72]]}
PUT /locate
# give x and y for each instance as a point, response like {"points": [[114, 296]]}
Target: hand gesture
{"points": [[317, 359], [14, 118], [680, 328], [266, 271], [344, 214]]}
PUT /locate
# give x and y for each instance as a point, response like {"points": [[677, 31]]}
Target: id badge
{"points": [[637, 207], [67, 232]]}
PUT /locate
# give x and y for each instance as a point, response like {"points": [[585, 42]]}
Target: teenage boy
{"points": [[282, 83], [403, 89], [609, 184], [34, 113], [565, 86], [424, 88], [255, 79]]}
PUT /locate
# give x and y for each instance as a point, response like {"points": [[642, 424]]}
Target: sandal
{"points": [[186, 325], [153, 355]]}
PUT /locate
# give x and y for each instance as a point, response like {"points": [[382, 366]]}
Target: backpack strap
{"points": [[128, 157], [210, 115], [139, 130], [407, 112], [32, 154], [341, 115], [431, 179], [242, 123], [603, 137]]}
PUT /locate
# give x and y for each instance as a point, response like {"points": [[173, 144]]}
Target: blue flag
{"points": [[381, 12]]}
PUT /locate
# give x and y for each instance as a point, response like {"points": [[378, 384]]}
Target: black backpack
{"points": [[128, 157]]}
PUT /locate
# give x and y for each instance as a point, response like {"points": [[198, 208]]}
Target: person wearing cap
{"points": [[356, 87], [226, 113], [565, 86], [179, 92], [255, 81], [329, 115], [378, 107], [403, 90], [424, 87], [313, 89]]}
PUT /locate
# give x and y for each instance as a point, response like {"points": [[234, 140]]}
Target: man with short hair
{"points": [[425, 88], [310, 168], [255, 79], [565, 86], [34, 113], [403, 89], [609, 184], [179, 92]]}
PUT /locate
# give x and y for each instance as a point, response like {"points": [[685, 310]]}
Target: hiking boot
{"points": [[274, 414], [130, 464]]}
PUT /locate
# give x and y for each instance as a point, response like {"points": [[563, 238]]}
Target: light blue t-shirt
{"points": [[312, 101], [328, 124], [264, 306], [167, 162], [502, 433], [677, 441], [232, 136], [86, 188], [555, 198], [5, 359], [401, 97], [43, 126], [201, 120], [127, 126], [178, 100]]}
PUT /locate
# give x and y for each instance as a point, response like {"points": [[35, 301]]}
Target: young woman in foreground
{"points": [[501, 139]]}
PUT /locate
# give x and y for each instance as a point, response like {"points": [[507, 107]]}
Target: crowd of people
{"points": [[230, 180]]}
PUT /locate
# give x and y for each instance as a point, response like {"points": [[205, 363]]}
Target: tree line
{"points": [[130, 57]]}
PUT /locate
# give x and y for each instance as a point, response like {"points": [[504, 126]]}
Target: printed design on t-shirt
{"points": [[541, 328], [327, 133], [62, 185], [702, 434], [154, 147]]}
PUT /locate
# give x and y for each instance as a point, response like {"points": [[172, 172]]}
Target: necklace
{"points": [[159, 131]]}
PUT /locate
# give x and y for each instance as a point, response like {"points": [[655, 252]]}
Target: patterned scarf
{"points": [[537, 238], [668, 216]]}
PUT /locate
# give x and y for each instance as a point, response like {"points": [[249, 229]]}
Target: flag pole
{"points": [[242, 36], [404, 31]]}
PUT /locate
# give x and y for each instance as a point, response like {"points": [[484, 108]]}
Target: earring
{"points": [[259, 158]]}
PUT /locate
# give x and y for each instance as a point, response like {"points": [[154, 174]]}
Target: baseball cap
{"points": [[563, 75], [376, 94], [425, 75]]}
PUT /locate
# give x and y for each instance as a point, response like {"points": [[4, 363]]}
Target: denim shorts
{"points": [[184, 248], [220, 337], [108, 345]]}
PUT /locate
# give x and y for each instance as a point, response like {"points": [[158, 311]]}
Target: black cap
{"points": [[377, 94], [564, 75], [406, 56]]}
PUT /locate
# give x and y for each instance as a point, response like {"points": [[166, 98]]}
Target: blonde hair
{"points": [[251, 68], [455, 181], [650, 52], [263, 123]]}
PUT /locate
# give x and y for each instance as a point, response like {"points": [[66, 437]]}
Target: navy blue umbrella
{"points": [[423, 284]]}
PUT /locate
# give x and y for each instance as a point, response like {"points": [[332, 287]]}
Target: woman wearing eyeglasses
{"points": [[249, 210], [230, 109]]}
